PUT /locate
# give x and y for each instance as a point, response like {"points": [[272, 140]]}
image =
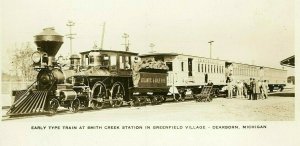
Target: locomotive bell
{"points": [[49, 41]]}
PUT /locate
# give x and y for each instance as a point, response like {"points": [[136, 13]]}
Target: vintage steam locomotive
{"points": [[105, 77]]}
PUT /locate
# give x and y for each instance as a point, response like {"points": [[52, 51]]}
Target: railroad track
{"points": [[64, 111]]}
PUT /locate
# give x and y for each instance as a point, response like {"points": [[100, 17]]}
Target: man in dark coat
{"points": [[254, 92], [250, 90]]}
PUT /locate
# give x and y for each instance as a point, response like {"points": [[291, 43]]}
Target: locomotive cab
{"points": [[116, 62]]}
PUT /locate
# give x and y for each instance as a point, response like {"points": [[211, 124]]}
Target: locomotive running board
{"points": [[149, 89], [28, 102]]}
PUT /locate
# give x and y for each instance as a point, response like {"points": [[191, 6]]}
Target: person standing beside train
{"points": [[258, 90], [265, 89], [229, 88], [135, 71], [239, 86], [242, 89], [254, 91], [245, 89], [251, 89]]}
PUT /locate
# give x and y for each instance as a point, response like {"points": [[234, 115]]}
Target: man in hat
{"points": [[239, 89], [254, 92], [229, 89], [265, 89], [251, 89]]}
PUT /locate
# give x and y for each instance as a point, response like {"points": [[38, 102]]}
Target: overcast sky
{"points": [[247, 31]]}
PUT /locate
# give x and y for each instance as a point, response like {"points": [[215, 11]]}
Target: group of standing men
{"points": [[258, 90], [252, 91]]}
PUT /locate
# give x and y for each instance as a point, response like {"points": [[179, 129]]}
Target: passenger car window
{"points": [[170, 65]]}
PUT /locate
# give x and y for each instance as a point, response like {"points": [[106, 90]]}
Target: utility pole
{"points": [[126, 44], [210, 44], [152, 46], [102, 38], [70, 24]]}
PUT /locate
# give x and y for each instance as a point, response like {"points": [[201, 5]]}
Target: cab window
{"points": [[127, 62], [121, 62], [124, 62], [113, 60], [91, 60], [104, 60]]}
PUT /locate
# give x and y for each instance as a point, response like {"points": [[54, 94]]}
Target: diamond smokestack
{"points": [[49, 41]]}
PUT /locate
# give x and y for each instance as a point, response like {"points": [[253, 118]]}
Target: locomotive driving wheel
{"points": [[75, 105], [53, 105], [98, 95], [117, 94]]}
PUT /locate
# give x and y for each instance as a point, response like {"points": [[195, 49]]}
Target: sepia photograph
{"points": [[149, 72]]}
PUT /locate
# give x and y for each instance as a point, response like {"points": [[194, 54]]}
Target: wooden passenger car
{"points": [[276, 78], [188, 73]]}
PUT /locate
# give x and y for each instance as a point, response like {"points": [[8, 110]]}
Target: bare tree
{"points": [[22, 63]]}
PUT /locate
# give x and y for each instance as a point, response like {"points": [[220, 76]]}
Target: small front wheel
{"points": [[53, 105], [75, 105]]}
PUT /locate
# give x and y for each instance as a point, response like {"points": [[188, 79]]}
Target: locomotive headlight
{"points": [[36, 57]]}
